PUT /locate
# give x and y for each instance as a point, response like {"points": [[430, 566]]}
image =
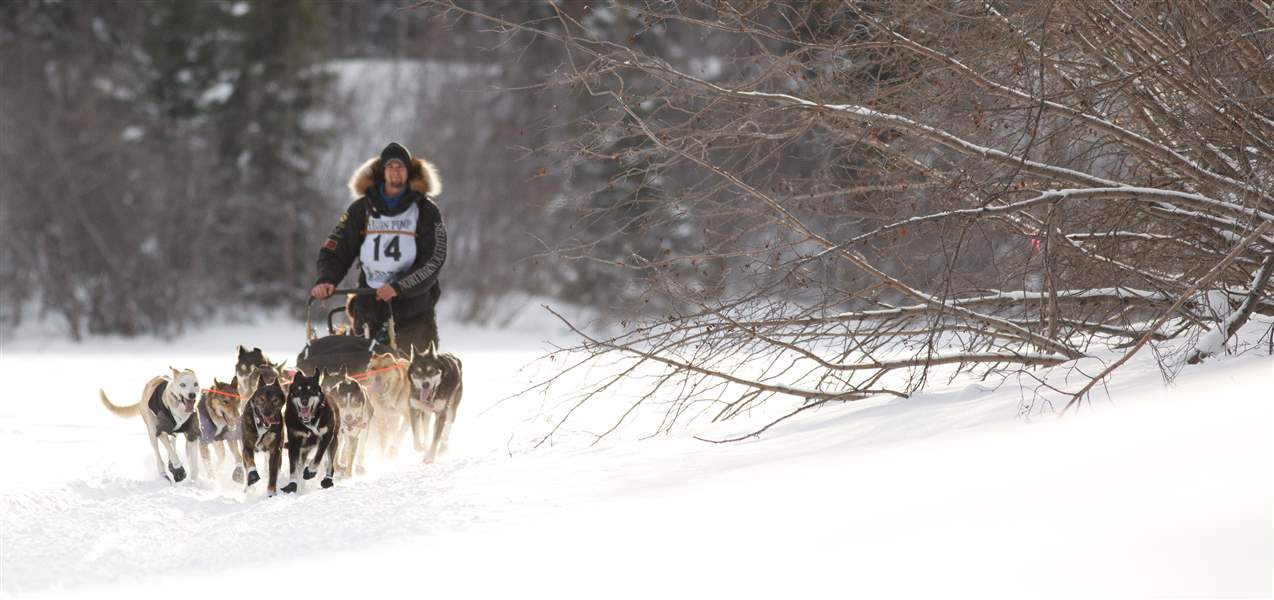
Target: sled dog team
{"points": [[327, 421]]}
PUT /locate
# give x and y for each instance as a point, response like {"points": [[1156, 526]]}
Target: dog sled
{"points": [[342, 350]]}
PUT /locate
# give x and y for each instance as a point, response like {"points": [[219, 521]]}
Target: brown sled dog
{"points": [[388, 390], [262, 430], [220, 419], [167, 409]]}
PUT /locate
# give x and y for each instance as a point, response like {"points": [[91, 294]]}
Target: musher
{"points": [[395, 229]]}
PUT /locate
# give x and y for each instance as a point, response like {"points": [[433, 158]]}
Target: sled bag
{"points": [[335, 352]]}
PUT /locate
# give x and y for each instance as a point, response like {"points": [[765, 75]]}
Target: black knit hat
{"points": [[392, 151]]}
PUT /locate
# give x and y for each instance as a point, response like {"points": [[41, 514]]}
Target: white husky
{"points": [[167, 408]]}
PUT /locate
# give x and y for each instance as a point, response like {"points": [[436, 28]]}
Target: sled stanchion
{"points": [[390, 329], [309, 324]]}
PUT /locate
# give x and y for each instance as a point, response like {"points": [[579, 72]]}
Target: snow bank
{"points": [[1151, 490]]}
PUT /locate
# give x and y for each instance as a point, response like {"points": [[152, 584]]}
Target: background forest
{"points": [[166, 160]]}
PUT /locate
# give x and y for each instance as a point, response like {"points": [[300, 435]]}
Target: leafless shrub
{"points": [[860, 195]]}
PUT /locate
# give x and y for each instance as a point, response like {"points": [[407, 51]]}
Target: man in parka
{"points": [[395, 229]]}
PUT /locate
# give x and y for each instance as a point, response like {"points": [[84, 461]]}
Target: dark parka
{"points": [[417, 288]]}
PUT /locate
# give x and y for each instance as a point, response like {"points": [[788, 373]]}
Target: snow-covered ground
{"points": [[1156, 491]]}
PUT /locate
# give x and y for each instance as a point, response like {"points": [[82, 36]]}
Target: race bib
{"points": [[389, 246]]}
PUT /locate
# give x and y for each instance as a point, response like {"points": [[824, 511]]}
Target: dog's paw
{"points": [[253, 477], [290, 488], [179, 473], [326, 483], [237, 475], [360, 470], [308, 474]]}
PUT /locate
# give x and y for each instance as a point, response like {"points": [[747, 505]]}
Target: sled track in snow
{"points": [[94, 529]]}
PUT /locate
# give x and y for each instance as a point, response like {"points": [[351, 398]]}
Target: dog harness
{"points": [[389, 245], [210, 431], [315, 427], [260, 424], [316, 419]]}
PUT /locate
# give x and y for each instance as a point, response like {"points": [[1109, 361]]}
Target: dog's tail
{"points": [[124, 412]]}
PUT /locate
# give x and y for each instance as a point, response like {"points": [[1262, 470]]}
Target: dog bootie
{"points": [[253, 477], [179, 473], [290, 488], [326, 483]]}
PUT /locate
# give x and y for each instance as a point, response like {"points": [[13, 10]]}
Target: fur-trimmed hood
{"points": [[422, 176]]}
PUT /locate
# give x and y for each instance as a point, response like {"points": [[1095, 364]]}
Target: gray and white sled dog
{"points": [[245, 367], [436, 385], [355, 412], [167, 408]]}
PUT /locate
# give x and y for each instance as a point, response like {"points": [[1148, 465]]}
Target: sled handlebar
{"points": [[355, 291]]}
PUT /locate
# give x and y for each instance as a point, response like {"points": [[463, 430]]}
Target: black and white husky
{"points": [[167, 408], [436, 387], [312, 425], [248, 364]]}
